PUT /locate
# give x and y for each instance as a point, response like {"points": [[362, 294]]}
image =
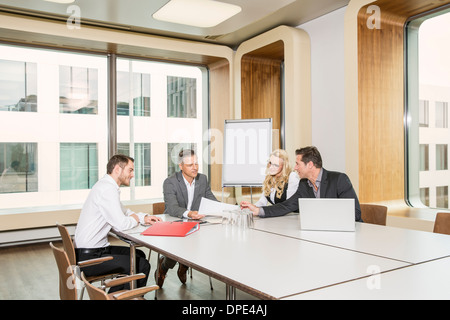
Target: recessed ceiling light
{"points": [[61, 1], [197, 13]]}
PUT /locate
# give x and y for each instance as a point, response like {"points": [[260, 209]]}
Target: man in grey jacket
{"points": [[183, 192]]}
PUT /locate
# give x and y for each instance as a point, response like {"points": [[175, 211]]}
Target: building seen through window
{"points": [[18, 167], [54, 123], [18, 86], [78, 90], [428, 134], [181, 97], [140, 88]]}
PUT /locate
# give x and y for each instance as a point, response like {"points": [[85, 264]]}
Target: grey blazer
{"points": [[176, 197]]}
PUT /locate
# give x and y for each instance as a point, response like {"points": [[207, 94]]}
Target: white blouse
{"points": [[291, 189]]}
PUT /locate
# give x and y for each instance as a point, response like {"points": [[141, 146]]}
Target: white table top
{"points": [[411, 246], [264, 264], [429, 280]]}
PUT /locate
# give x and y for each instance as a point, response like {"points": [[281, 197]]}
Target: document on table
{"points": [[214, 208]]}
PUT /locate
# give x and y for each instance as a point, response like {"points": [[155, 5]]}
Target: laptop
{"points": [[327, 214]]}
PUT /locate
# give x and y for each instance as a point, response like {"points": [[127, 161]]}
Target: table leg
{"points": [[157, 274], [132, 263], [230, 292]]}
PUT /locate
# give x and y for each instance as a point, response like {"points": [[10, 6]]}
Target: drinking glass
{"points": [[226, 217]]}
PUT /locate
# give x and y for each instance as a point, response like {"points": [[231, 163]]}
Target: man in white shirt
{"points": [[183, 192], [103, 211]]}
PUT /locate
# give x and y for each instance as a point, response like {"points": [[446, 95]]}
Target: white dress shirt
{"points": [[101, 212], [190, 191]]}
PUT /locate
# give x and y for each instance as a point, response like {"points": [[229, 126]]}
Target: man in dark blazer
{"points": [[316, 182], [183, 192]]}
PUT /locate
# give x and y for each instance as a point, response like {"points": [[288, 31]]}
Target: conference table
{"points": [[277, 260], [410, 246], [423, 281], [427, 275]]}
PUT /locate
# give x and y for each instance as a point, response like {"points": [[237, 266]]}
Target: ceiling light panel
{"points": [[60, 1], [197, 13]]}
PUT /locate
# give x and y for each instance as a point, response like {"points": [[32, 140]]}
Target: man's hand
{"points": [[252, 207], [195, 215], [149, 219]]}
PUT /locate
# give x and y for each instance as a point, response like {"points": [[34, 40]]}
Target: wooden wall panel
{"points": [[261, 89], [381, 98], [219, 81], [293, 47]]}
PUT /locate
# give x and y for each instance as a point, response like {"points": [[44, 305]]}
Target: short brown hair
{"points": [[310, 154], [120, 159]]}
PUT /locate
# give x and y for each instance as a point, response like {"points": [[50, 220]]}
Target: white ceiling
{"points": [[256, 17]]}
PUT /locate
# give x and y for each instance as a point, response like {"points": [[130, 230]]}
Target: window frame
{"points": [[411, 107]]}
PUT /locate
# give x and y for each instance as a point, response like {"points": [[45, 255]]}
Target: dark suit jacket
{"points": [[176, 197], [333, 185]]}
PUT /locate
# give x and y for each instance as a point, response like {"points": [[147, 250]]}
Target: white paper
{"points": [[214, 208]]}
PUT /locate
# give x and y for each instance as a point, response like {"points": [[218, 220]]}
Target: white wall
{"points": [[328, 87]]}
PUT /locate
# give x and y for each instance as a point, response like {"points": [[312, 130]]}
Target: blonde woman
{"points": [[280, 182]]}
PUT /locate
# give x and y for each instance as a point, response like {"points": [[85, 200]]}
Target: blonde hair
{"points": [[277, 182]]}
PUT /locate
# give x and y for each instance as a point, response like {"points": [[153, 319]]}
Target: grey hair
{"points": [[185, 153]]}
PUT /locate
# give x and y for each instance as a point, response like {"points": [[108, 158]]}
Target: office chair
{"points": [[96, 293], [70, 251], [375, 214], [442, 223], [67, 280], [68, 285], [158, 207]]}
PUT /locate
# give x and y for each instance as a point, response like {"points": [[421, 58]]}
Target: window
{"points": [[78, 165], [424, 157], [423, 113], [61, 125], [441, 114], [18, 167], [169, 113], [425, 196], [18, 86], [181, 97], [441, 157], [442, 197], [142, 172], [78, 90], [140, 88], [428, 96]]}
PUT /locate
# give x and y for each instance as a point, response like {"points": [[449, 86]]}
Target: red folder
{"points": [[172, 228]]}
